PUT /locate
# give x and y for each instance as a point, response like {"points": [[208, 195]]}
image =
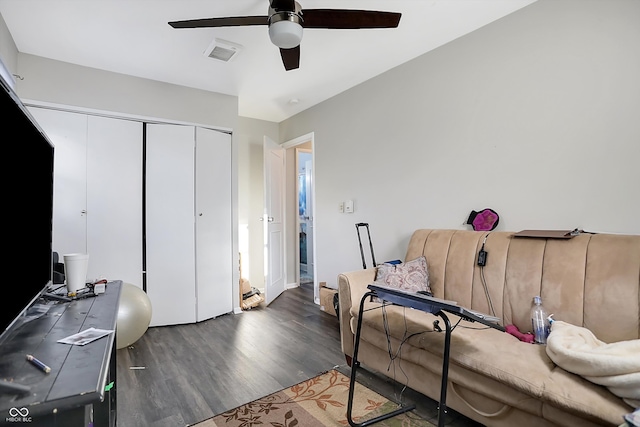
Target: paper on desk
{"points": [[85, 337]]}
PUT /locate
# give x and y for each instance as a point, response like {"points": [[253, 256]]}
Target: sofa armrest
{"points": [[351, 287]]}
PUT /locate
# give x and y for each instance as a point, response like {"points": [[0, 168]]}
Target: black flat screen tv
{"points": [[28, 210]]}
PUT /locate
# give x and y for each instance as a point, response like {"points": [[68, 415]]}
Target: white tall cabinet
{"points": [[188, 223], [151, 204]]}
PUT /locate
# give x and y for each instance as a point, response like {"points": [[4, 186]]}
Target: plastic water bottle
{"points": [[539, 321]]}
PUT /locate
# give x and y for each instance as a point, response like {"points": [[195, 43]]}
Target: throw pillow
{"points": [[411, 276]]}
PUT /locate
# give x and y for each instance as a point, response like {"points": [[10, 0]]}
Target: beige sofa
{"points": [[590, 280]]}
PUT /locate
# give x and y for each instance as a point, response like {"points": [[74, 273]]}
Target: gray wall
{"points": [[536, 116]]}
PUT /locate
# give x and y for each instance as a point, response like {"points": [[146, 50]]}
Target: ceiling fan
{"points": [[286, 19]]}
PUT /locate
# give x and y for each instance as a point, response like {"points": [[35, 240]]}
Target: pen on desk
{"points": [[35, 362]]}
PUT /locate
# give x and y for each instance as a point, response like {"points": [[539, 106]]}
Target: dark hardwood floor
{"points": [[175, 376]]}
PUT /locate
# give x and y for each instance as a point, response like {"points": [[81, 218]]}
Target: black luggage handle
{"points": [[373, 258]]}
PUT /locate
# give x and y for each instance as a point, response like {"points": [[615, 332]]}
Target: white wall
{"points": [[250, 137], [536, 116], [57, 82]]}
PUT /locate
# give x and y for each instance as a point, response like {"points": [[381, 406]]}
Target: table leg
{"points": [[354, 367], [442, 405]]}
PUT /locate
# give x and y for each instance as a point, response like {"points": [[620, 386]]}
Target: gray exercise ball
{"points": [[134, 315]]}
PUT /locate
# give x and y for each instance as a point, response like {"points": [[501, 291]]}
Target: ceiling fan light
{"points": [[285, 34]]}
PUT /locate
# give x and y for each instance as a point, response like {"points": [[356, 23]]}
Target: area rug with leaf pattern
{"points": [[317, 402]]}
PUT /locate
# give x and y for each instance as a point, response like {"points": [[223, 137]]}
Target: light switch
{"points": [[341, 207], [348, 206]]}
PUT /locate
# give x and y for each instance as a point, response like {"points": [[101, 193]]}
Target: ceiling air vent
{"points": [[222, 50]]}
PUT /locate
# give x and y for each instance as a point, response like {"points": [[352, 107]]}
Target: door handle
{"points": [[270, 219]]}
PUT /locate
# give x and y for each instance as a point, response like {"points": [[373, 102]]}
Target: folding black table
{"points": [[425, 303]]}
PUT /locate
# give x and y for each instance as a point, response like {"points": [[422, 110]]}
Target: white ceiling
{"points": [[133, 37]]}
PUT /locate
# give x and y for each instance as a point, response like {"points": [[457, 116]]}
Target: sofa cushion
{"points": [[522, 366], [474, 346], [412, 276]]}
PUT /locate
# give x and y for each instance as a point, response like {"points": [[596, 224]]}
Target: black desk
{"points": [[423, 303], [81, 385]]}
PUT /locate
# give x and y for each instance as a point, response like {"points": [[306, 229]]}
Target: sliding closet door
{"points": [[97, 191], [114, 199], [68, 132], [170, 237], [214, 260]]}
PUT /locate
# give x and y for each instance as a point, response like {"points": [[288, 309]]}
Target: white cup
{"points": [[75, 271]]}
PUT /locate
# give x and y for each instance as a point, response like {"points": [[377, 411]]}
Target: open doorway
{"points": [[304, 168], [301, 252]]}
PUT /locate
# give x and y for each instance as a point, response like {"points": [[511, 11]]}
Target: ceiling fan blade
{"points": [[290, 58], [349, 19], [231, 21]]}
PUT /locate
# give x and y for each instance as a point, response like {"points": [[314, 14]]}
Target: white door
{"points": [[114, 195], [68, 132], [170, 236], [214, 253], [97, 191], [274, 156]]}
